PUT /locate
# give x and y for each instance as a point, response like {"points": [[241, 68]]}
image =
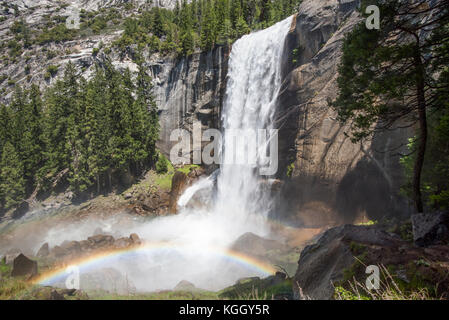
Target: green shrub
{"points": [[52, 70], [290, 169], [60, 33], [162, 164], [95, 51]]}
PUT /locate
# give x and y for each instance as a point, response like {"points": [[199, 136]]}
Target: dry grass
{"points": [[254, 295], [10, 288], [389, 290]]}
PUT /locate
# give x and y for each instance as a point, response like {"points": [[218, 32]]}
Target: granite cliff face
{"points": [[189, 90], [333, 180]]}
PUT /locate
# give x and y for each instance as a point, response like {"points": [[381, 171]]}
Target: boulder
{"points": [[431, 228], [252, 244], [71, 247], [101, 241], [135, 239], [123, 243], [23, 266], [21, 210], [323, 263], [55, 295], [44, 251]]}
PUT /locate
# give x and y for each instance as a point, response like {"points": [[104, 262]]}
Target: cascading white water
{"points": [[194, 238], [253, 86]]}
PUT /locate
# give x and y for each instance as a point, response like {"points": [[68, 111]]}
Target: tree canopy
{"points": [[79, 134]]}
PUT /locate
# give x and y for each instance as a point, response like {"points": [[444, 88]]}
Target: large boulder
{"points": [[323, 263], [23, 266], [254, 245], [135, 240], [431, 228]]}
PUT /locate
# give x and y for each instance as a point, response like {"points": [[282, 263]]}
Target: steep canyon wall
{"points": [[332, 180]]}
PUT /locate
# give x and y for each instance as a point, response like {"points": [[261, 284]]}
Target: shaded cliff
{"points": [[331, 180]]}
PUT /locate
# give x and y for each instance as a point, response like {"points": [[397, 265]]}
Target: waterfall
{"points": [[254, 81]]}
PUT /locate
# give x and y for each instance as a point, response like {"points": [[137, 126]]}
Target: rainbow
{"points": [[104, 257]]}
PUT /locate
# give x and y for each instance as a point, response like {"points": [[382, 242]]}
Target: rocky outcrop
{"points": [[70, 250], [331, 179], [343, 253], [179, 182], [431, 228], [23, 266], [155, 203]]}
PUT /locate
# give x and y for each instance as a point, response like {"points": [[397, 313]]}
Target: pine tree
{"points": [[186, 25], [97, 128], [241, 27], [5, 126], [148, 113], [31, 145], [236, 12], [12, 182], [226, 33], [266, 13], [209, 27], [61, 102], [158, 23], [187, 42], [78, 175]]}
